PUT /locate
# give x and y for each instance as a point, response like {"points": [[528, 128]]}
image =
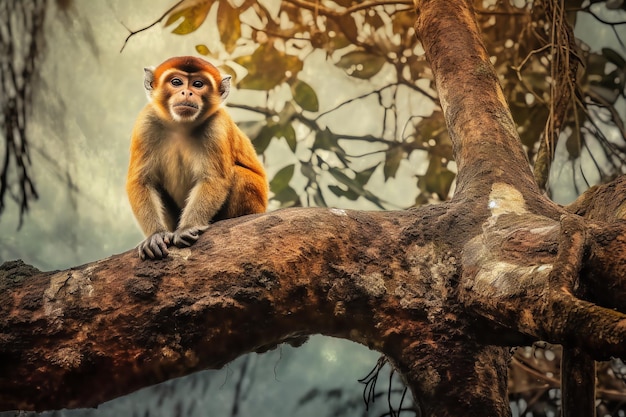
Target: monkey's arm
{"points": [[147, 207], [204, 201]]}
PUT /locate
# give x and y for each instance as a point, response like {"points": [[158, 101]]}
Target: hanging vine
{"points": [[21, 41]]}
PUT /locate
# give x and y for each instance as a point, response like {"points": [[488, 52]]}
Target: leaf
{"points": [[364, 176], [361, 64], [355, 187], [402, 21], [393, 157], [324, 139], [263, 139], [307, 170], [318, 198], [437, 180], [614, 57], [304, 95], [352, 185], [347, 26], [203, 50], [267, 67], [282, 178], [349, 194], [374, 19], [290, 136], [336, 38], [193, 13], [229, 25], [287, 197]]}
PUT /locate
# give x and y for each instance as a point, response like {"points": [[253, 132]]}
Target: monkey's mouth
{"points": [[187, 104]]}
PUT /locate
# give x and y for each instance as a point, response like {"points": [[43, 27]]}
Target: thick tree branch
{"points": [[486, 143], [124, 323]]}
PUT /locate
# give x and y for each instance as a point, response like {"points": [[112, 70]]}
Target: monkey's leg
{"points": [[248, 195]]}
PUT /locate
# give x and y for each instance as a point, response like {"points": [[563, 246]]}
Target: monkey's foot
{"points": [[187, 237], [155, 246]]}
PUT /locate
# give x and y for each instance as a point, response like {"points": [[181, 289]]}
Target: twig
{"points": [[134, 32]]}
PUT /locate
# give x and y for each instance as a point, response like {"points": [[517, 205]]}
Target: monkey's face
{"points": [[188, 96]]}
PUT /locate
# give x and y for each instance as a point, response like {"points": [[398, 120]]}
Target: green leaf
{"points": [[229, 25], [324, 139], [437, 179], [282, 178], [304, 95], [263, 139], [287, 197], [364, 176], [355, 188], [361, 64], [267, 67], [349, 194], [393, 157], [193, 14], [290, 136], [352, 185]]}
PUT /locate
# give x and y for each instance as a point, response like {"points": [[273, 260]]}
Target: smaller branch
{"points": [[316, 7], [362, 96], [578, 369], [134, 32], [572, 246]]}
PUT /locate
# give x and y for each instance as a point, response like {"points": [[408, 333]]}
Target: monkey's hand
{"points": [[188, 236], [155, 246]]}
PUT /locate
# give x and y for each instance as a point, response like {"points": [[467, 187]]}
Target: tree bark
{"points": [[442, 290]]}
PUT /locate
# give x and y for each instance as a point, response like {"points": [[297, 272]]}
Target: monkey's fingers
{"points": [[155, 246], [187, 237]]}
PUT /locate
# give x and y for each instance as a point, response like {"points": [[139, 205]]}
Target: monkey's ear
{"points": [[225, 87], [148, 79]]}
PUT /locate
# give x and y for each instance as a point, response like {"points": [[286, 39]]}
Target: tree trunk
{"points": [[442, 290]]}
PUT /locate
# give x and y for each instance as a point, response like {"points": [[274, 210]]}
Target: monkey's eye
{"points": [[198, 84], [176, 82]]}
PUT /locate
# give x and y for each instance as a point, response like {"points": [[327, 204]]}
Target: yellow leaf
{"points": [[229, 25], [192, 12], [203, 50]]}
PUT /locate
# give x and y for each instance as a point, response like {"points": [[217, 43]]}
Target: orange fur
{"points": [[189, 162]]}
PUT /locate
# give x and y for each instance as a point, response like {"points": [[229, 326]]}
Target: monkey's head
{"points": [[186, 89]]}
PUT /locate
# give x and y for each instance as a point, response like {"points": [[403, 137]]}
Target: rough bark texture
{"points": [[442, 290]]}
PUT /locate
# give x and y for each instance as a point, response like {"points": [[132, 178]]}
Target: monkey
{"points": [[190, 164]]}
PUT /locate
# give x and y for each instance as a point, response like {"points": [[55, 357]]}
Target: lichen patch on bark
{"points": [[63, 287], [505, 198]]}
